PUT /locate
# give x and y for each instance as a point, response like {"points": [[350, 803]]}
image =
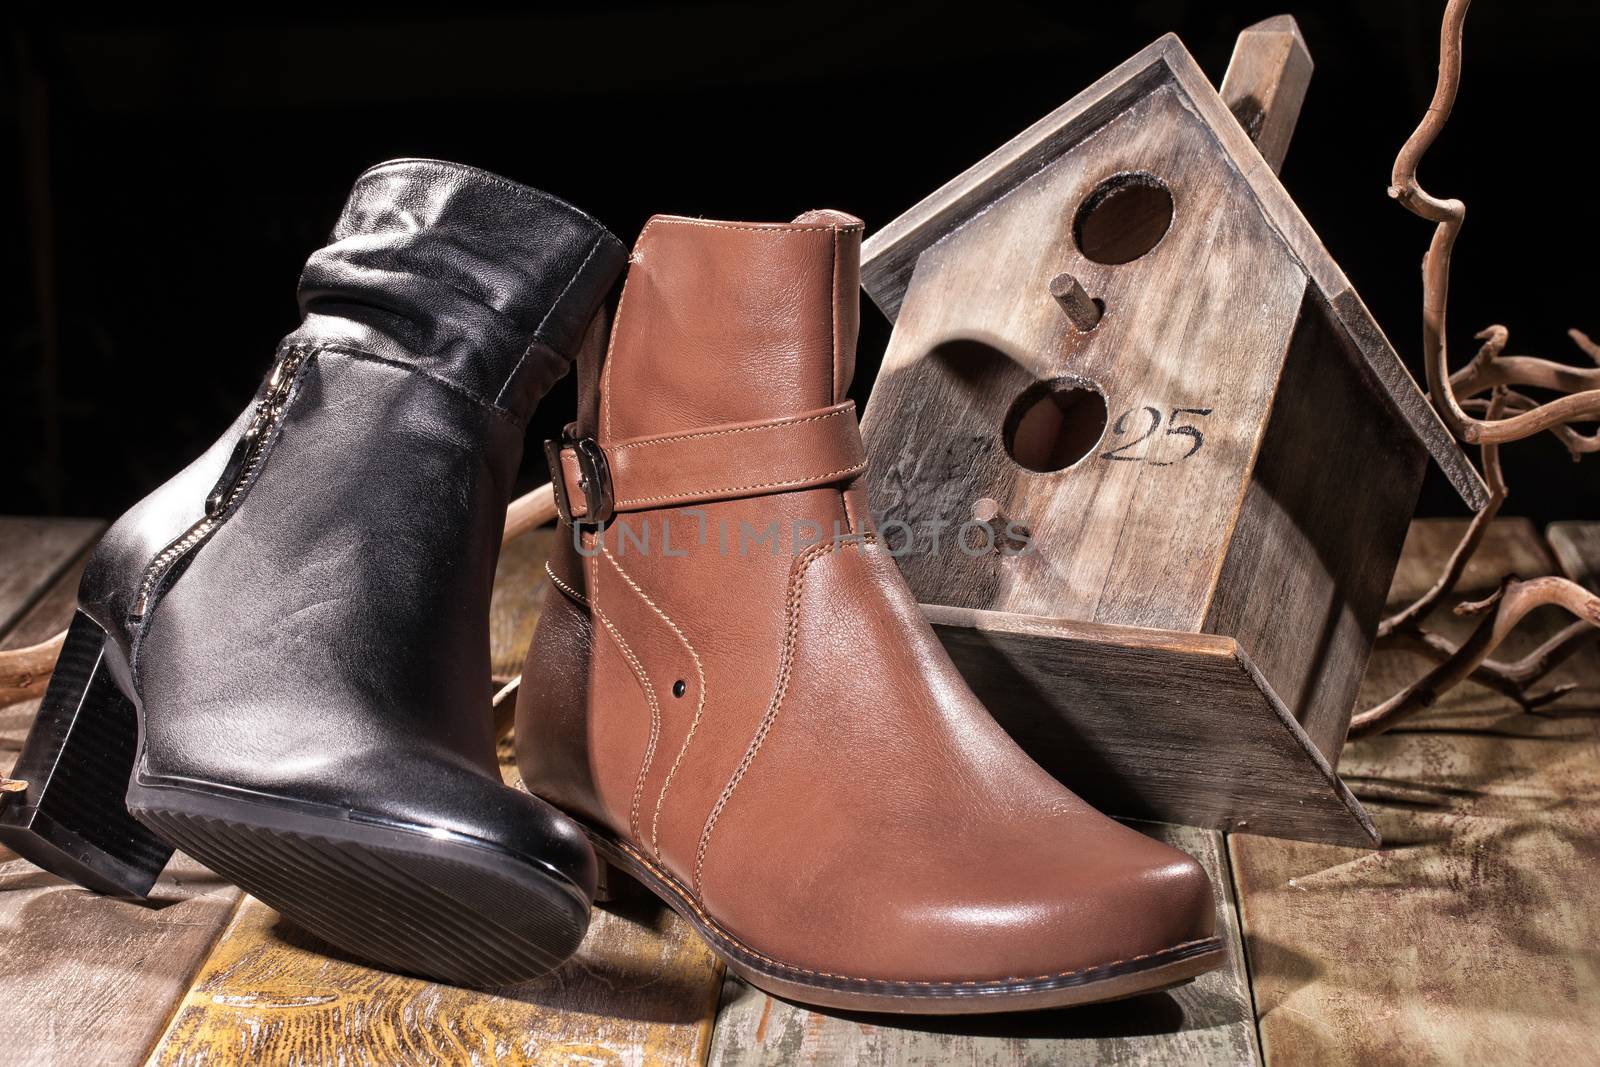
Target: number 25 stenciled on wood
{"points": [[1118, 343]]}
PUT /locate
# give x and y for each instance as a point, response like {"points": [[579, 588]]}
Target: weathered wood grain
{"points": [[1152, 724], [1318, 535], [83, 978], [1577, 548], [1208, 1022], [33, 552], [641, 990], [1227, 492], [890, 257], [1251, 445], [519, 592], [1133, 533], [1471, 937], [1266, 83]]}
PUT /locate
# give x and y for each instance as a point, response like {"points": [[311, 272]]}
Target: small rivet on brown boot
{"points": [[678, 688]]}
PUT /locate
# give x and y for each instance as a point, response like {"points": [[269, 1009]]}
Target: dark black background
{"points": [[165, 175]]}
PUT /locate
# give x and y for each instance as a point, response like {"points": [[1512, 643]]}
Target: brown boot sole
{"points": [[1090, 985]]}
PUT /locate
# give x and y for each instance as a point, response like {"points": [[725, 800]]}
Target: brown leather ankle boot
{"points": [[737, 696]]}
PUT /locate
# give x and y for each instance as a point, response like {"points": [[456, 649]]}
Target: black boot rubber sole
{"points": [[410, 900]]}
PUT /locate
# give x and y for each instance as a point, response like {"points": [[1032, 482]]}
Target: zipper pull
{"points": [[237, 473], [273, 397], [282, 374], [234, 468]]}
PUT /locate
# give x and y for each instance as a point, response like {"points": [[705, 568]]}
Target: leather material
{"points": [[795, 452], [327, 642], [483, 283], [763, 713], [754, 356]]}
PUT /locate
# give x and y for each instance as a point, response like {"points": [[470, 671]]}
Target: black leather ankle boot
{"points": [[280, 661]]}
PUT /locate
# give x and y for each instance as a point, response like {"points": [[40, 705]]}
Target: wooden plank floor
{"points": [[1473, 936], [33, 553], [84, 979], [1206, 1022], [642, 990], [1469, 937]]}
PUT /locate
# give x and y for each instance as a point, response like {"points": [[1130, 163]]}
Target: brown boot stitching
{"points": [[564, 587], [785, 666], [838, 349], [655, 715], [616, 329], [694, 723], [833, 392], [680, 891], [774, 229], [643, 679], [813, 479], [691, 435]]}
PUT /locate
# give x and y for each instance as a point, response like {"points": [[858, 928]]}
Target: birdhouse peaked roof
{"points": [[890, 256]]}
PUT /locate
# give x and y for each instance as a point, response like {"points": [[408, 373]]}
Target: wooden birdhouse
{"points": [[1119, 345]]}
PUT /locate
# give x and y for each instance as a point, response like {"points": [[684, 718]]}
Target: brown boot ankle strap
{"points": [[723, 462]]}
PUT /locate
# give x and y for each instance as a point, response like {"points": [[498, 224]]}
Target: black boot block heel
{"points": [[72, 819]]}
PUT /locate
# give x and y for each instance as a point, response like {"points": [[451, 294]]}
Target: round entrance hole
{"points": [[1053, 424], [1123, 218]]}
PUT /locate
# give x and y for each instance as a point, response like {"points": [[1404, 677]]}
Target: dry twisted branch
{"points": [[1405, 627], [1489, 368], [1508, 415], [1576, 407], [9, 789], [1410, 617], [1505, 609], [24, 672]]}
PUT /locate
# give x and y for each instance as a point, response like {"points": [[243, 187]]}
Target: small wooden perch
{"points": [[1078, 304]]}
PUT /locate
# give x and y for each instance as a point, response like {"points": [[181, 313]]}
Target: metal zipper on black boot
{"points": [[244, 463]]}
